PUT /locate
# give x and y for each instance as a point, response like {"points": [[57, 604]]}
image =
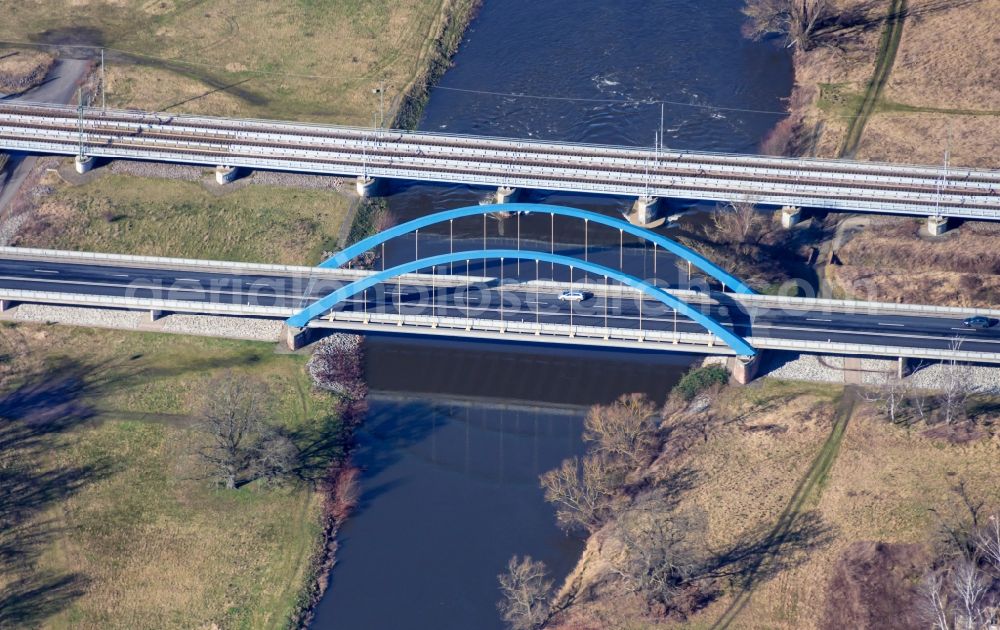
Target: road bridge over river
{"points": [[508, 164], [460, 306]]}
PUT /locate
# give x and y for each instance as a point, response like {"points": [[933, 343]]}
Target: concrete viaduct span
{"points": [[369, 155]]}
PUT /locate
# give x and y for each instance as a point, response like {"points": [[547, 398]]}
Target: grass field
{"points": [[789, 480], [116, 525], [938, 93], [138, 215], [300, 59]]}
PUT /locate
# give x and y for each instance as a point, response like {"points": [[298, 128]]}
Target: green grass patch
{"points": [[118, 496], [156, 217]]}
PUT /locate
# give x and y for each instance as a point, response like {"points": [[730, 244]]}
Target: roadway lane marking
{"points": [[817, 319], [45, 271], [899, 325]]}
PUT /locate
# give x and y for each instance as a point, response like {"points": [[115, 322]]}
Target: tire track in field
{"points": [[810, 487], [892, 32]]}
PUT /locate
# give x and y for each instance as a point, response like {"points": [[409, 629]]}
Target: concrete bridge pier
{"points": [[506, 194], [83, 163], [225, 174], [744, 369], [937, 225], [5, 304], [296, 338], [644, 212], [790, 217], [366, 186], [155, 314]]}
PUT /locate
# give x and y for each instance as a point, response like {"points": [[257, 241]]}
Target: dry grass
{"points": [[152, 544], [941, 85], [301, 59], [22, 69], [133, 215], [887, 484], [959, 269]]}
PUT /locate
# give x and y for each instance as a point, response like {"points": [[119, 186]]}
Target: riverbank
{"points": [[776, 502], [904, 82], [110, 513], [263, 552]]}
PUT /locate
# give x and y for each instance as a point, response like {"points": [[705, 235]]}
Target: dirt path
{"points": [[808, 489], [887, 47]]}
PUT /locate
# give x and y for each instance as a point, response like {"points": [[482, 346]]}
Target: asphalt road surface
{"points": [[514, 302]]}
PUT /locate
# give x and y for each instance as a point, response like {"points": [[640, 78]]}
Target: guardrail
{"points": [[771, 301], [568, 178], [226, 266], [932, 171], [462, 327]]}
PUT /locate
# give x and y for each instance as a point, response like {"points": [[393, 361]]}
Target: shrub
{"points": [[700, 379]]}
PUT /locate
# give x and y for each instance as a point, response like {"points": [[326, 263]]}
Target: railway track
{"points": [[837, 185]]}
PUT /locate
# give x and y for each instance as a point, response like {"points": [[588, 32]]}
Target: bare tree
{"points": [[738, 223], [970, 586], [583, 501], [796, 20], [656, 558], [526, 591], [956, 387], [987, 540], [233, 418], [277, 457], [889, 396], [934, 605], [625, 430]]}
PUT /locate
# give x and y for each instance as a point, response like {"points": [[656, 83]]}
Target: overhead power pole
{"points": [[79, 118]]}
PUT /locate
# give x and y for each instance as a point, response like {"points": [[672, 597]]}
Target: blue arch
{"points": [[734, 341], [675, 248]]}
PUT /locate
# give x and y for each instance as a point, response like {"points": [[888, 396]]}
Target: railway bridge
{"points": [[370, 155]]}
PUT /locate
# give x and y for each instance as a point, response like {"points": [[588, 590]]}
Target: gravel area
{"points": [[198, 173], [829, 369], [157, 169], [78, 316], [805, 367], [203, 325], [299, 180], [217, 326]]}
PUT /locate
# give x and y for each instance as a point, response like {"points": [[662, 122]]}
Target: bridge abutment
{"points": [[296, 338], [790, 217], [225, 174], [744, 369], [506, 194], [83, 163], [937, 225], [365, 186]]}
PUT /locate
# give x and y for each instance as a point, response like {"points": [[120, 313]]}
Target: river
{"points": [[458, 433]]}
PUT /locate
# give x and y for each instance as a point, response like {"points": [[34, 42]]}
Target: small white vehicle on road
{"points": [[573, 296]]}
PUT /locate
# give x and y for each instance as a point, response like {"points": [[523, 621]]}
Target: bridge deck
{"points": [[825, 184]]}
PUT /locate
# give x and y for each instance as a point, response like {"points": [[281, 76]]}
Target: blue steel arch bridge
{"points": [[510, 302]]}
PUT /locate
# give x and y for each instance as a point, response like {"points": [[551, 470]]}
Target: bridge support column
{"points": [[936, 225], [905, 367], [225, 174], [644, 211], [155, 314], [365, 186], [745, 368], [296, 338], [506, 194], [5, 304], [83, 163], [790, 217]]}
